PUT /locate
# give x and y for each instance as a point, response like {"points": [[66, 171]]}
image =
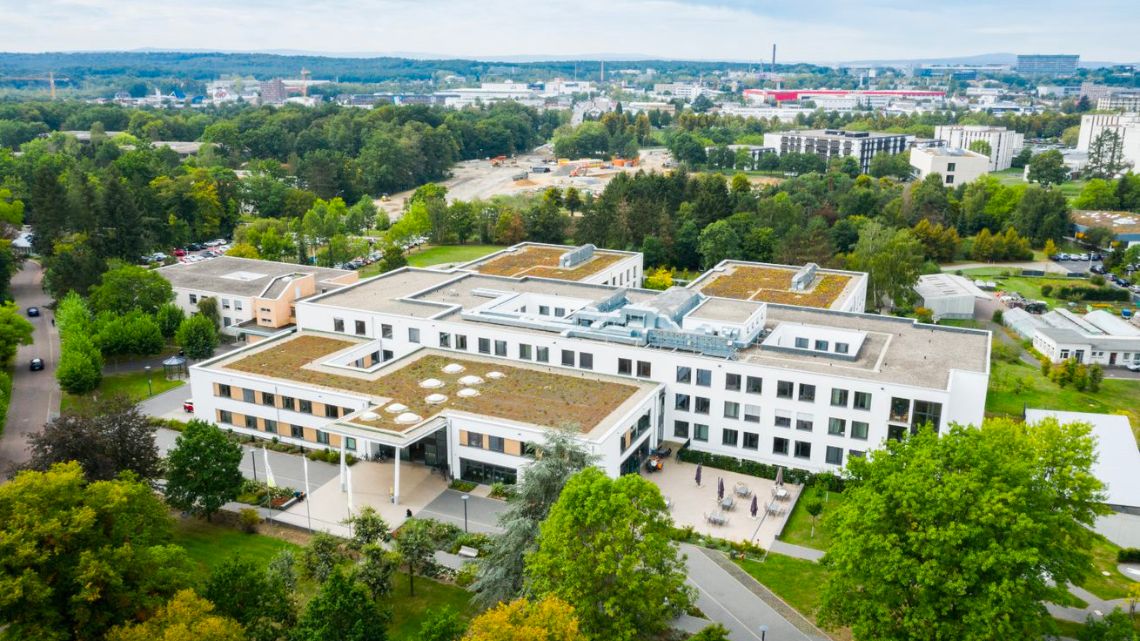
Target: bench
{"points": [[468, 552]]}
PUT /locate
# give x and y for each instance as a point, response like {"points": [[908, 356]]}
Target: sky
{"points": [[804, 30]]}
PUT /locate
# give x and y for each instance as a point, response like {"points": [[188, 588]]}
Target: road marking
{"points": [[725, 608]]}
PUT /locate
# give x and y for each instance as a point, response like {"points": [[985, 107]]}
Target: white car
{"points": [[1134, 366]]}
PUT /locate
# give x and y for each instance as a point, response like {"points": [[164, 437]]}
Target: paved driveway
{"points": [[35, 395]]}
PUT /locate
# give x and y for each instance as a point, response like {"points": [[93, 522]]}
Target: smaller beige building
{"points": [[956, 166]]}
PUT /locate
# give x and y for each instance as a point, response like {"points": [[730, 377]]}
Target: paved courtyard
{"points": [[692, 502]]}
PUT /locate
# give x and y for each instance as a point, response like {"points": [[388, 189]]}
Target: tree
{"points": [[1099, 194], [660, 278], [134, 333], [128, 287], [367, 527], [80, 368], [186, 617], [392, 257], [442, 624], [15, 330], [717, 242], [375, 570], [414, 545], [714, 632], [1106, 155], [1022, 501], [892, 259], [1050, 248], [342, 610], [1114, 626], [1048, 168], [1022, 158], [257, 599], [198, 335], [202, 470], [1041, 214], [605, 549], [81, 557], [888, 165], [572, 200], [814, 507], [114, 437], [243, 250], [321, 556], [208, 307], [501, 574], [169, 317], [981, 147], [547, 619]]}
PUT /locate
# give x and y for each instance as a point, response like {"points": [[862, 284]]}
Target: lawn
{"points": [[1030, 287], [1013, 176], [208, 544], [796, 581], [133, 385], [408, 612], [798, 528], [443, 254], [1113, 586]]}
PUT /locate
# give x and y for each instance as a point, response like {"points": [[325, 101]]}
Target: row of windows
{"points": [[751, 441], [225, 302], [286, 402], [270, 426], [755, 385]]}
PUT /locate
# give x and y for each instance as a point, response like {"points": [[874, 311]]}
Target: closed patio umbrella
{"points": [[755, 506], [698, 474], [779, 476], [720, 488]]}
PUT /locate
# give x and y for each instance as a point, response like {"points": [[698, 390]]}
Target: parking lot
{"points": [[192, 253]]}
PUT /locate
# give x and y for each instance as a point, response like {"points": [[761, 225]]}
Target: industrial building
{"points": [[956, 166], [1004, 143], [1047, 65], [837, 143], [948, 295], [1097, 337]]}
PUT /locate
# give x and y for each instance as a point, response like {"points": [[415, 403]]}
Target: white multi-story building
{"points": [[1097, 337], [1127, 126], [378, 366], [1004, 144], [956, 166], [835, 143], [1129, 103]]}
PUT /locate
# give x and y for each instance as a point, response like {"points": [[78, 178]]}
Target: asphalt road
{"points": [[35, 395]]}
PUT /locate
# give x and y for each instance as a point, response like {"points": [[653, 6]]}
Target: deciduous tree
{"points": [[198, 336], [547, 619], [186, 617], [342, 611], [202, 470], [414, 545], [127, 287], [114, 437]]}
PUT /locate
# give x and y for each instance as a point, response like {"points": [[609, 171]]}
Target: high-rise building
{"points": [[273, 92], [1047, 65], [836, 143], [1126, 126], [1004, 144]]}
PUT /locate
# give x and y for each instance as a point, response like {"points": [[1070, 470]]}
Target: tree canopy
{"points": [[114, 437], [202, 470]]}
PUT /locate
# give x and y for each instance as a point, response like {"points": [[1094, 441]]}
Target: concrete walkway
{"points": [[796, 551]]}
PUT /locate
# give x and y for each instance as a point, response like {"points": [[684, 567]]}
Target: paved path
{"points": [[482, 513], [796, 551], [1047, 266], [1121, 529], [35, 395], [288, 469]]}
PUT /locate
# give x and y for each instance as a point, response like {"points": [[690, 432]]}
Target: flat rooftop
{"points": [[773, 284], [1120, 222], [896, 350], [535, 395], [530, 259], [839, 134], [940, 285], [951, 152], [243, 276]]}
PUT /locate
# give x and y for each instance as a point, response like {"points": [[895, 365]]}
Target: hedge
{"points": [[826, 480], [1094, 293], [1128, 555]]}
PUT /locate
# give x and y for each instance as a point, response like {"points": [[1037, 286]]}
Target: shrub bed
{"points": [[1128, 555]]}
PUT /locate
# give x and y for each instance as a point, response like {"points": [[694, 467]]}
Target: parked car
{"points": [[1134, 366], [1097, 269], [33, 312], [1064, 256], [1083, 257], [36, 364], [195, 247], [179, 252], [188, 406]]}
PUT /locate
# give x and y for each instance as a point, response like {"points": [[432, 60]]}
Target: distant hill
{"points": [[980, 59]]}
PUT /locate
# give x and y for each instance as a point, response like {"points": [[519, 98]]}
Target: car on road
{"points": [[188, 406], [1097, 269], [1134, 366], [36, 364], [1063, 257], [33, 312]]}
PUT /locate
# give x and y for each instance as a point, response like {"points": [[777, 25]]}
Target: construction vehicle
{"points": [[498, 161]]}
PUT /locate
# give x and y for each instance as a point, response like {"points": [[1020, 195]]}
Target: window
{"points": [[896, 432], [225, 303], [288, 403], [702, 405], [804, 423], [388, 355], [247, 395], [821, 346], [784, 389], [413, 335], [268, 399], [350, 443], [227, 321], [751, 413], [803, 449], [474, 439], [862, 400], [834, 455], [224, 391], [544, 310], [568, 358], [732, 382], [559, 312], [856, 454], [526, 352], [385, 331], [585, 361], [338, 324], [681, 429], [444, 339], [949, 180], [801, 342], [461, 342], [704, 378], [729, 437], [306, 407], [332, 411], [900, 410], [681, 402], [684, 374], [754, 385], [484, 346], [322, 437], [783, 420], [842, 348], [859, 430], [495, 443], [731, 409], [625, 366], [193, 299], [836, 427], [751, 441], [237, 304], [951, 166], [251, 422], [926, 412], [296, 431], [838, 397], [543, 354], [270, 425], [500, 348], [780, 446], [225, 417], [644, 369], [360, 328], [807, 393], [700, 432]]}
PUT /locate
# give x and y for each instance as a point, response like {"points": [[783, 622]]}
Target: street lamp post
{"points": [[253, 460], [465, 497], [763, 632], [149, 389]]}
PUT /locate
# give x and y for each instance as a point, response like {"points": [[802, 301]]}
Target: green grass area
{"points": [[1013, 176], [408, 612], [1113, 586], [968, 323], [798, 529], [1030, 287], [796, 581], [5, 396], [1014, 386], [208, 544], [133, 385], [442, 254]]}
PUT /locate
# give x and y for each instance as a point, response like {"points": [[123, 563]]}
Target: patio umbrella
{"points": [[755, 507], [779, 476], [698, 474], [720, 488]]}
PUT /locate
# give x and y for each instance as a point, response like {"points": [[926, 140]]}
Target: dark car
{"points": [[1096, 269], [33, 312], [195, 247], [36, 364]]}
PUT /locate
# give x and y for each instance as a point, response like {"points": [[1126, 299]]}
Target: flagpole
{"points": [[308, 512], [270, 482], [348, 475]]}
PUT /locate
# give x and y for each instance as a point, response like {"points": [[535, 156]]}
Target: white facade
{"points": [[948, 295], [836, 143], [956, 166], [1004, 144], [1097, 337], [1127, 126]]}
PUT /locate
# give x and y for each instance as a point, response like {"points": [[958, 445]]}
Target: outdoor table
{"points": [[780, 493], [728, 503], [743, 490], [717, 518]]}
